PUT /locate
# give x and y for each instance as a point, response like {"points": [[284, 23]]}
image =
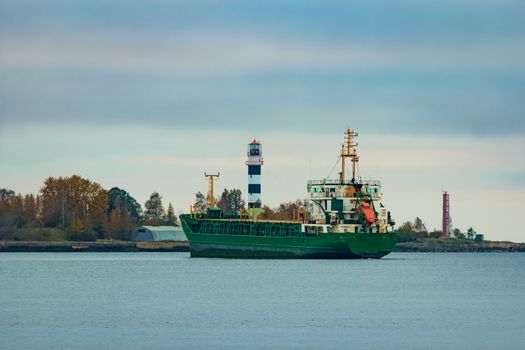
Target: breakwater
{"points": [[98, 246], [454, 245]]}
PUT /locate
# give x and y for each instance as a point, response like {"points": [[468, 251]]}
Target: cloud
{"points": [[188, 161], [412, 67], [198, 54]]}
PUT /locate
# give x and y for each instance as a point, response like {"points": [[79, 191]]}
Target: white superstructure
{"points": [[352, 205]]}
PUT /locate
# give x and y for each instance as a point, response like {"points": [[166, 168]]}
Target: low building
{"points": [[479, 238], [158, 233]]}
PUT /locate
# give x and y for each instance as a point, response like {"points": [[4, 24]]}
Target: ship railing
{"points": [[345, 182], [250, 228], [330, 195], [246, 226]]}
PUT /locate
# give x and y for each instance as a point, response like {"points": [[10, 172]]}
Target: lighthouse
{"points": [[447, 221], [254, 163]]}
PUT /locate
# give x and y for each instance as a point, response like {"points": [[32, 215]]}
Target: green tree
{"points": [[128, 204], [231, 201], [222, 201], [6, 195], [419, 225], [458, 234], [200, 204], [154, 210], [171, 218], [435, 234]]}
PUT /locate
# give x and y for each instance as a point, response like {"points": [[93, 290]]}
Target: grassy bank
{"points": [[33, 234], [98, 246]]}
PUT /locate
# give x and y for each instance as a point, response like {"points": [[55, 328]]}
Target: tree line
{"points": [[75, 208], [416, 230], [231, 202]]}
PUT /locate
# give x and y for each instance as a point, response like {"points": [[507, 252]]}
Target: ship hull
{"points": [[323, 246], [214, 250]]}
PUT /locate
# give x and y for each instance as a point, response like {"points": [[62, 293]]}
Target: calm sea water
{"points": [[170, 301]]}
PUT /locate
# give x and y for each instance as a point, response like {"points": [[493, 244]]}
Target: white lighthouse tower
{"points": [[254, 163]]}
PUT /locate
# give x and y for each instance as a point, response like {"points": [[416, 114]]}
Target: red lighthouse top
{"points": [[254, 149]]}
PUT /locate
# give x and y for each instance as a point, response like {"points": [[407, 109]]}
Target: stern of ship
{"points": [[370, 245]]}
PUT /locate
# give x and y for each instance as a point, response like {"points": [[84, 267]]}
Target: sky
{"points": [[149, 95]]}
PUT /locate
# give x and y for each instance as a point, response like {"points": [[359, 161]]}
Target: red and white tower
{"points": [[447, 221]]}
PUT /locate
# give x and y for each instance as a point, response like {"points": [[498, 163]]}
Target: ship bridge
{"points": [[332, 188], [340, 201]]}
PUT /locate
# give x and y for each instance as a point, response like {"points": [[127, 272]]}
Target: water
{"points": [[169, 301]]}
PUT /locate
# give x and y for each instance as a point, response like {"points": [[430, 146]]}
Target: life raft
{"points": [[366, 211]]}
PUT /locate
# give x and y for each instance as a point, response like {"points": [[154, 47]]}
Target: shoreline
{"points": [[98, 246], [458, 246]]}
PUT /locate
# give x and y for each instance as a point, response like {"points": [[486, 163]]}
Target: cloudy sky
{"points": [[148, 95]]}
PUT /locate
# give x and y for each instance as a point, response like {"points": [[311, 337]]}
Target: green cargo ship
{"points": [[347, 221]]}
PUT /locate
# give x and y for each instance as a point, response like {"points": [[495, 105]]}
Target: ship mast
{"points": [[211, 197], [348, 150]]}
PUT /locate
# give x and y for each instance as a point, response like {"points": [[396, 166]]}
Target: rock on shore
{"points": [[455, 245]]}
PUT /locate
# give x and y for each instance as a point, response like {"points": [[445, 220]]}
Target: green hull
{"points": [[237, 239]]}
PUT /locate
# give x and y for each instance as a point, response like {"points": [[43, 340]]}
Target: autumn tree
{"points": [[407, 226], [268, 213], [124, 214], [7, 213], [75, 204], [30, 208], [17, 211], [154, 210], [17, 206], [114, 226], [287, 211]]}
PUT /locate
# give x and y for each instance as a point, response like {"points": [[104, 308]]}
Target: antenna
{"points": [[348, 150], [211, 197]]}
